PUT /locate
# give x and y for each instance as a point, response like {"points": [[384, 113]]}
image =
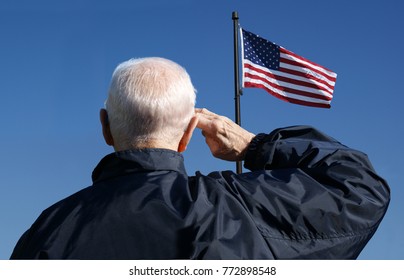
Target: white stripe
{"points": [[319, 68], [289, 85], [291, 76], [288, 94], [286, 84], [308, 71]]}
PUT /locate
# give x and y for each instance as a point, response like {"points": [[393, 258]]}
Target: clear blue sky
{"points": [[57, 57]]}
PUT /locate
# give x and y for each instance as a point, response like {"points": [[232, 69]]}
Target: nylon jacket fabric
{"points": [[306, 197]]}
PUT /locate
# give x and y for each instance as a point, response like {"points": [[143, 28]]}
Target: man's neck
{"points": [[153, 144]]}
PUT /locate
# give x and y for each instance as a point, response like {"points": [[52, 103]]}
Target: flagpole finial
{"points": [[234, 15]]}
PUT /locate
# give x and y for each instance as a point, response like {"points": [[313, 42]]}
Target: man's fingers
{"points": [[226, 139], [205, 112], [203, 122], [207, 121]]}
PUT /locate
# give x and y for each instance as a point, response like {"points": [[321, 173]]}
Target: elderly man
{"points": [[306, 196]]}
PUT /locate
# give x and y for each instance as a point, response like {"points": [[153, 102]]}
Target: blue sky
{"points": [[57, 57]]}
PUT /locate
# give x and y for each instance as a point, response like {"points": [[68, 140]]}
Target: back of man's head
{"points": [[150, 100]]}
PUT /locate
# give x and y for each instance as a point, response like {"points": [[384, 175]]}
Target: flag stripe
{"points": [[285, 77], [308, 62], [296, 74], [282, 88], [285, 90], [285, 87], [304, 68], [297, 100], [284, 74]]}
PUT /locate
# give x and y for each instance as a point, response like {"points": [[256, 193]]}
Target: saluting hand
{"points": [[226, 139]]}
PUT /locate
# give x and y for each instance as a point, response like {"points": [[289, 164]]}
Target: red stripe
{"points": [[304, 59], [290, 90], [288, 80], [301, 65], [309, 77], [288, 99]]}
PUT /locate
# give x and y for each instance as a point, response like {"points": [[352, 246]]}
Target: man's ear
{"points": [[106, 130], [182, 146]]}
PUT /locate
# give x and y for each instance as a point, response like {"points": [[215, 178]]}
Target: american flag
{"points": [[284, 74]]}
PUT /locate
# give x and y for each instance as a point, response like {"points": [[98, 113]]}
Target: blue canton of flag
{"points": [[284, 74], [261, 51]]}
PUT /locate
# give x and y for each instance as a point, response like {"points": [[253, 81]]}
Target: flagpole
{"points": [[237, 90]]}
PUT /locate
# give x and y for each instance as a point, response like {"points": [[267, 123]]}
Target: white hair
{"points": [[149, 99]]}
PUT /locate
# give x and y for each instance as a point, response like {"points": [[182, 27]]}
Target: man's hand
{"points": [[226, 139]]}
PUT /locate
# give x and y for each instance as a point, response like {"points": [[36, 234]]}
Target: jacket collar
{"points": [[124, 162]]}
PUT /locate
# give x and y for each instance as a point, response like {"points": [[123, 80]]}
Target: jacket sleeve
{"points": [[310, 196]]}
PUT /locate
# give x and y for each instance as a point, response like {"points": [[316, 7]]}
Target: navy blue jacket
{"points": [[307, 197]]}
